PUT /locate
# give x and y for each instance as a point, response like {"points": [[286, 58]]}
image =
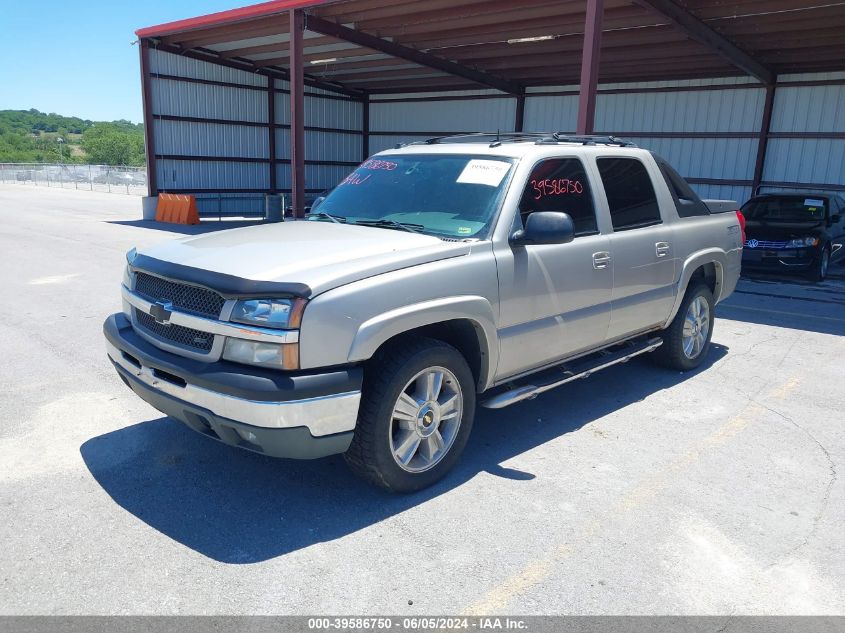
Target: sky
{"points": [[76, 58]]}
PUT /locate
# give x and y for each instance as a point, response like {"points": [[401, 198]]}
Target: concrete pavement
{"points": [[637, 491]]}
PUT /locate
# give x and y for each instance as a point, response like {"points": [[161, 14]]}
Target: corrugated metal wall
{"points": [[818, 113], [211, 128], [211, 132], [675, 123], [393, 122], [333, 137], [711, 135]]}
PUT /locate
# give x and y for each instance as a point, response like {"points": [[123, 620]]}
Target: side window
{"points": [[686, 200], [630, 193], [560, 184]]}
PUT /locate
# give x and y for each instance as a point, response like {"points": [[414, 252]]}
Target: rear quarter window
{"points": [[686, 200]]}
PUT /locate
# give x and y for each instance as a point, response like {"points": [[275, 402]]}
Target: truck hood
{"points": [[317, 255]]}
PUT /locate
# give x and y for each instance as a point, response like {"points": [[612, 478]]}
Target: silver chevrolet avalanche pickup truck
{"points": [[486, 268]]}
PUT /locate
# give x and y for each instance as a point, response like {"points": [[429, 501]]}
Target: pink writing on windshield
{"points": [[556, 187], [355, 178], [379, 164]]}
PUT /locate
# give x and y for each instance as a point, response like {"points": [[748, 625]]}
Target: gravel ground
{"points": [[637, 491]]}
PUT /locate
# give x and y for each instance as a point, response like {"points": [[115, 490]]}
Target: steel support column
{"points": [[519, 119], [297, 112], [271, 131], [149, 132], [365, 128], [590, 67], [763, 145]]}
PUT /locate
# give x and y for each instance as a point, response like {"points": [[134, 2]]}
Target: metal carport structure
{"points": [[288, 95]]}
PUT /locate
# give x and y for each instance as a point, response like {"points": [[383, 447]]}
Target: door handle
{"points": [[661, 249], [601, 260]]}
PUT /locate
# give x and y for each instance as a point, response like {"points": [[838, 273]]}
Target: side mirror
{"points": [[317, 202], [545, 227], [835, 218]]}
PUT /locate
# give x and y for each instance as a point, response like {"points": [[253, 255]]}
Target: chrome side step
{"points": [[576, 372]]}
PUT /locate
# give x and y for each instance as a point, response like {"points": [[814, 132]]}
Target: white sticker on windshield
{"points": [[810, 202], [484, 172]]}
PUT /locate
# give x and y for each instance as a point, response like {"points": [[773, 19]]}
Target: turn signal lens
{"points": [[278, 355]]}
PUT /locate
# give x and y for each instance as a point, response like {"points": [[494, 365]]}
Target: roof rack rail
{"points": [[540, 138], [498, 137], [590, 139]]}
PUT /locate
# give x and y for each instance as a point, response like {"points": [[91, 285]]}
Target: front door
{"points": [[555, 298]]}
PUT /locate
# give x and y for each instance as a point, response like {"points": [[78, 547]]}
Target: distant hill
{"points": [[30, 136]]}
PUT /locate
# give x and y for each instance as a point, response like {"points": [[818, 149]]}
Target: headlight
{"points": [[282, 314], [127, 275], [802, 242], [278, 355]]}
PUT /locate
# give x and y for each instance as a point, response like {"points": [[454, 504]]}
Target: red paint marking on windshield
{"points": [[556, 187], [355, 178], [375, 164]]}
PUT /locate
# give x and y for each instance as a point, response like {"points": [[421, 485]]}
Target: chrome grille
{"points": [[184, 297], [176, 334], [765, 244]]}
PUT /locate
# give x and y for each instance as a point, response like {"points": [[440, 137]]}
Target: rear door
{"points": [[640, 245]]}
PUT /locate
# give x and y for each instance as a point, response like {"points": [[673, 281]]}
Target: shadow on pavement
{"points": [[205, 226], [787, 303], [238, 507]]}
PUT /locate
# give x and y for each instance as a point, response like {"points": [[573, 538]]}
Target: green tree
{"points": [[114, 144]]}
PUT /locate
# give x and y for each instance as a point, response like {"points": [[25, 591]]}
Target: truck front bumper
{"points": [[295, 415]]}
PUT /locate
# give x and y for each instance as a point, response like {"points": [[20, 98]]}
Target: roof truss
{"points": [[699, 31]]}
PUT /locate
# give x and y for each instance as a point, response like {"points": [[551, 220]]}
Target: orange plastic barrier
{"points": [[177, 209]]}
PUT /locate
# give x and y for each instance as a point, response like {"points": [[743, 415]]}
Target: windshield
{"points": [[446, 195], [786, 209]]}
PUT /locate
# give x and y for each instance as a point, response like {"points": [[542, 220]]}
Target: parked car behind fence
{"points": [[127, 180]]}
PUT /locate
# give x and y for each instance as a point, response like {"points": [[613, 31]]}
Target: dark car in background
{"points": [[789, 232]]}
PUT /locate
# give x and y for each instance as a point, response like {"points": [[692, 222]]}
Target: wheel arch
{"points": [[466, 323], [707, 267]]}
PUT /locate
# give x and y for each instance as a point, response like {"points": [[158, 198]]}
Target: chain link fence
{"points": [[125, 180]]}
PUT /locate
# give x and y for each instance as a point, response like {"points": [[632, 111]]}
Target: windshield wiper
{"points": [[337, 219], [393, 224]]}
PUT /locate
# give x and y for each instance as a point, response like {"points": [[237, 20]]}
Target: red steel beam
{"points": [[251, 12], [701, 32], [590, 67], [763, 145], [365, 128], [297, 112], [519, 119], [271, 131], [325, 27], [149, 133]]}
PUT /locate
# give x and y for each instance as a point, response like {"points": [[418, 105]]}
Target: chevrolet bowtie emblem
{"points": [[161, 312]]}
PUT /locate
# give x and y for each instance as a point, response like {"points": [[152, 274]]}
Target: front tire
{"points": [[820, 267], [687, 339], [416, 414]]}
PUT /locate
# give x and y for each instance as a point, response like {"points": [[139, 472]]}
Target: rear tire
{"points": [[416, 414], [686, 341]]}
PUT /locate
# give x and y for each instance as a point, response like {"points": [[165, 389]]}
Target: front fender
{"points": [[374, 332]]}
